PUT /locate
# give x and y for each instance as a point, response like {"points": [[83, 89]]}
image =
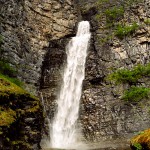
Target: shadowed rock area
{"points": [[21, 118]]}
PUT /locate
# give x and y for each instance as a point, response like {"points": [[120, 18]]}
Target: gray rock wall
{"points": [[37, 31], [32, 32], [27, 27], [103, 114]]}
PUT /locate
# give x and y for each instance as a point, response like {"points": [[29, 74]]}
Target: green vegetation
{"points": [[112, 13], [13, 80], [10, 91], [19, 144], [11, 94], [136, 94], [147, 21], [130, 76], [123, 30], [6, 70], [138, 146], [5, 67], [15, 104], [7, 116], [141, 141]]}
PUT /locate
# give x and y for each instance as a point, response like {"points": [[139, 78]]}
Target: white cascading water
{"points": [[63, 131]]}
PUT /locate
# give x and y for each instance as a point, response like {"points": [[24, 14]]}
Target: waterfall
{"points": [[63, 131]]}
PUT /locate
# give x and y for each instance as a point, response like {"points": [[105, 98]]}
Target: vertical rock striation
{"points": [[38, 31], [103, 114], [27, 27], [31, 30]]}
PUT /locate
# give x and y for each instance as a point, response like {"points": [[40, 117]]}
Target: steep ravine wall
{"points": [[27, 27], [103, 114], [30, 30], [35, 34]]}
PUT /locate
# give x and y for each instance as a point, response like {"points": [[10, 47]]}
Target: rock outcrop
{"points": [[30, 31], [21, 118]]}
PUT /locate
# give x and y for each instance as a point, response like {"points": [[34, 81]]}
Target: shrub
{"points": [[113, 14], [121, 30], [130, 76], [123, 76], [136, 94], [6, 69]]}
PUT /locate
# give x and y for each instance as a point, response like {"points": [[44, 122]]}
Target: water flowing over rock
{"points": [[63, 133], [35, 33]]}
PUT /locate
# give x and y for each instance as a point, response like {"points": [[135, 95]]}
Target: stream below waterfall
{"points": [[105, 145]]}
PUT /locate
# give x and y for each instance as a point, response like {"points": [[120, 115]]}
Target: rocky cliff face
{"points": [[38, 31], [27, 27], [103, 114], [33, 31]]}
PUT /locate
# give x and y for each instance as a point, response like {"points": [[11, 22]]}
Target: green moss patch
{"points": [[7, 85], [9, 91], [15, 106], [7, 116], [141, 141], [14, 100], [21, 144]]}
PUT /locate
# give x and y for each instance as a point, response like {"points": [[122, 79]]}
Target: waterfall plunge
{"points": [[63, 132]]}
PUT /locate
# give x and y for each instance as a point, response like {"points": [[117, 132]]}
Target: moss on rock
{"points": [[7, 116], [141, 141], [10, 91], [20, 144], [17, 109]]}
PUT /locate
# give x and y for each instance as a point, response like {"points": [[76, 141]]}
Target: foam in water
{"points": [[63, 131]]}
